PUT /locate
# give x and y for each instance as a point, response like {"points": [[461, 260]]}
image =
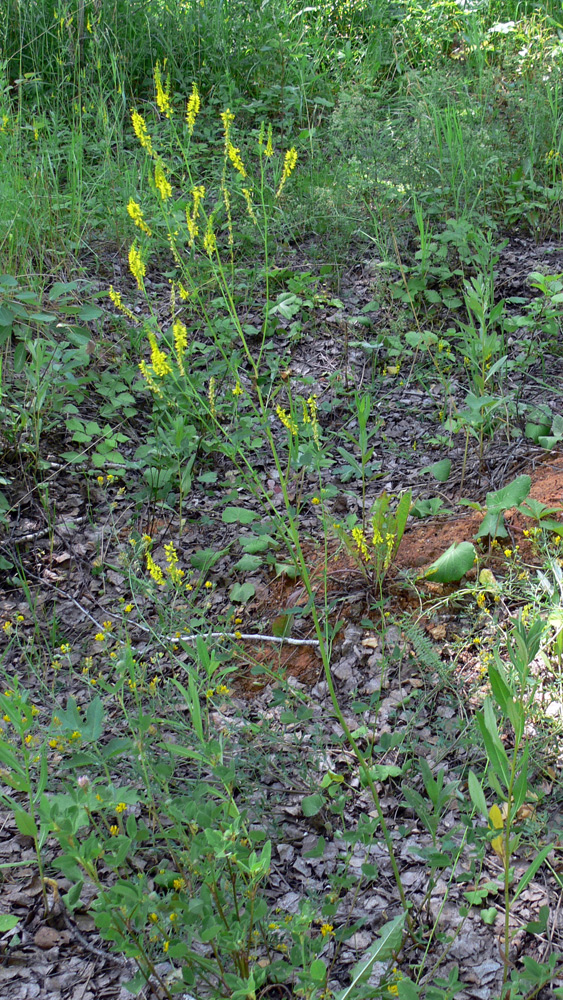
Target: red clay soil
{"points": [[421, 545]]}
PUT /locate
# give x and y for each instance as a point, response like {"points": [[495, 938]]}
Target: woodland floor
{"points": [[63, 957]]}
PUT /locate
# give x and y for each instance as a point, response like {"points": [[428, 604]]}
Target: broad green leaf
{"points": [[7, 922], [312, 804], [248, 563], [242, 592], [452, 564], [317, 970], [440, 470], [240, 515], [509, 496]]}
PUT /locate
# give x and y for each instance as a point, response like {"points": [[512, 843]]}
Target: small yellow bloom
{"points": [[161, 182], [120, 807], [233, 152], [155, 570], [315, 501], [238, 389], [117, 301], [360, 540], [128, 609], [140, 130], [209, 240], [179, 884], [289, 163], [136, 266], [159, 359], [153, 917], [162, 92], [192, 109], [136, 214], [7, 627], [100, 480], [287, 420], [99, 637], [327, 929], [114, 830], [208, 585], [180, 343], [269, 151], [508, 553]]}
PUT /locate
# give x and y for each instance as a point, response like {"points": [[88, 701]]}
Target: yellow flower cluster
{"points": [[211, 397], [176, 574], [159, 360], [134, 210], [162, 92], [137, 266], [287, 420], [209, 240], [249, 205], [289, 163], [155, 570], [198, 194], [140, 130], [192, 111], [361, 543], [161, 182], [310, 417], [147, 375], [233, 152], [180, 343]]}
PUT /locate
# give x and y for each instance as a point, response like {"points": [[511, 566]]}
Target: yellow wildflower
{"points": [[227, 117], [184, 292], [233, 153], [327, 929], [289, 162], [159, 360], [198, 193], [193, 107], [162, 92], [269, 151], [209, 240], [249, 205], [136, 266], [114, 830], [287, 420], [211, 397], [238, 389], [180, 343], [172, 568], [161, 182], [116, 299], [140, 130], [136, 214], [155, 570], [360, 540], [147, 375], [120, 807]]}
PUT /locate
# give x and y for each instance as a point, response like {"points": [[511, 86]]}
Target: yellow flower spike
{"points": [[136, 266], [192, 110], [180, 343], [198, 194], [249, 206], [136, 214], [117, 301], [269, 151], [227, 117], [287, 420], [360, 540], [209, 240], [162, 184], [155, 570], [211, 397], [147, 375], [159, 360], [233, 153], [289, 163], [162, 92], [140, 130]]}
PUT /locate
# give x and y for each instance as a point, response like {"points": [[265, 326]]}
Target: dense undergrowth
{"points": [[183, 188]]}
